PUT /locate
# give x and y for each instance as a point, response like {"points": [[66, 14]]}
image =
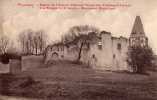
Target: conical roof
{"points": [[138, 27]]}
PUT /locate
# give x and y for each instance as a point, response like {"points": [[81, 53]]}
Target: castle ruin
{"points": [[103, 52]]}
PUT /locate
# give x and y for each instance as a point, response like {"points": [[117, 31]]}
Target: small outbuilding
{"points": [[11, 63]]}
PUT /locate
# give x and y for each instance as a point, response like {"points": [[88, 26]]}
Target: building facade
{"points": [[102, 51]]}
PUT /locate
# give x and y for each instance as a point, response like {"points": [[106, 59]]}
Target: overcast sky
{"points": [[119, 22]]}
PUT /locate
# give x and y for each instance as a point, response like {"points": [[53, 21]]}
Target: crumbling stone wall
{"points": [[15, 66]]}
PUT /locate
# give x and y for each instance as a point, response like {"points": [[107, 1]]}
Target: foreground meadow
{"points": [[66, 81]]}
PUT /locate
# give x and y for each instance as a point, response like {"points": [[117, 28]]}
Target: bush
{"points": [[4, 58], [140, 58]]}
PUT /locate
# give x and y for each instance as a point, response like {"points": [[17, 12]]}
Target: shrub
{"points": [[4, 58], [140, 58]]}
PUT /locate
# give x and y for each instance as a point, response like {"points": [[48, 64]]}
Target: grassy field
{"points": [[66, 81]]}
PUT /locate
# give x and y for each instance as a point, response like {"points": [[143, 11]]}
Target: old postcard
{"points": [[78, 50]]}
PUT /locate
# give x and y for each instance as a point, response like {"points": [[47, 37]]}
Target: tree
{"points": [[76, 31], [83, 40], [7, 49], [140, 58], [40, 41], [32, 42], [26, 41], [80, 35], [4, 44]]}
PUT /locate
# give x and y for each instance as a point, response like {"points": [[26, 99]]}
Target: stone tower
{"points": [[138, 37]]}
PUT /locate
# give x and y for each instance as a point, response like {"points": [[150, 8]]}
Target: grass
{"points": [[67, 81]]}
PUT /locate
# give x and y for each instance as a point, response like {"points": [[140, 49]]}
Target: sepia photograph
{"points": [[78, 50]]}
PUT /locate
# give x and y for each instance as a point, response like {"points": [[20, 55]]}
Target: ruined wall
{"points": [[107, 50], [61, 53], [120, 48], [4, 68], [86, 54], [94, 57], [100, 56], [31, 62], [70, 53], [15, 66], [110, 55], [54, 53]]}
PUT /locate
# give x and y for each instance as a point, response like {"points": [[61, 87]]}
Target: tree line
{"points": [[4, 44], [30, 42]]}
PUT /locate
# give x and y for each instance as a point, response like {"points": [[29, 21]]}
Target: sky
{"points": [[15, 19]]}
